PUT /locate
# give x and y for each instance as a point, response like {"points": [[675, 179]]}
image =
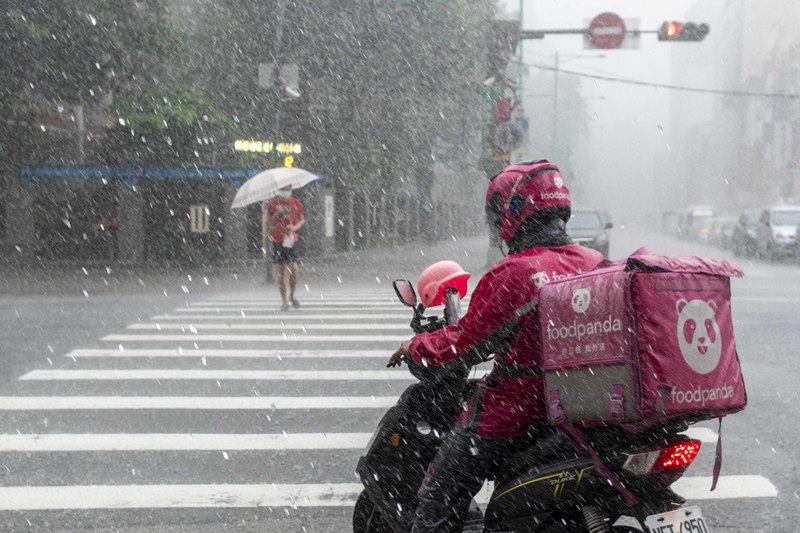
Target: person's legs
{"points": [[293, 269], [281, 267], [453, 478]]}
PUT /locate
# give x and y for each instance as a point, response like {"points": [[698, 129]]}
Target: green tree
{"points": [[167, 125], [387, 85], [77, 51]]}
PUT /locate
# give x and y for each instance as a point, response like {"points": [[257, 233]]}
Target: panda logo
{"points": [[698, 334], [558, 181], [581, 298], [540, 279]]}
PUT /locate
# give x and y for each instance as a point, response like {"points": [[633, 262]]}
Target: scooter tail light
{"points": [[677, 456]]}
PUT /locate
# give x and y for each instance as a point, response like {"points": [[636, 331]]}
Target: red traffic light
{"points": [[679, 31], [673, 29]]}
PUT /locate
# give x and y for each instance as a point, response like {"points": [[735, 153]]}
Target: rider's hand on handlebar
{"points": [[397, 357]]}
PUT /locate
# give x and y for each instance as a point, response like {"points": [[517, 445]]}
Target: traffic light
{"points": [[679, 31]]}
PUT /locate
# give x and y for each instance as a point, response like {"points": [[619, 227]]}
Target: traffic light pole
{"points": [[555, 110]]}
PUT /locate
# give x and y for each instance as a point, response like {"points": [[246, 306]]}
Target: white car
{"points": [[776, 233]]}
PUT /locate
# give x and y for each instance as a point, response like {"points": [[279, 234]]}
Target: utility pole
{"points": [[555, 109], [521, 65], [276, 54], [277, 42]]}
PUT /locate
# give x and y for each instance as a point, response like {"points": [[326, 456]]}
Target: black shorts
{"points": [[283, 256]]}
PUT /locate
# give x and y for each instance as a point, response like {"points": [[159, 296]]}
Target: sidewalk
{"points": [[360, 267]]}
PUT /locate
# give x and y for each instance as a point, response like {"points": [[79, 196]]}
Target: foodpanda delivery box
{"points": [[645, 340]]}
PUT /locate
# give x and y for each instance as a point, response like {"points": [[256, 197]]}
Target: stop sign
{"points": [[607, 30]]}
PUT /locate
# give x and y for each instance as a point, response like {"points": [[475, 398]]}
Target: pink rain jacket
{"points": [[505, 405]]}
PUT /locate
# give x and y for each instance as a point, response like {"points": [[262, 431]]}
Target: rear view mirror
{"points": [[405, 291], [609, 225]]}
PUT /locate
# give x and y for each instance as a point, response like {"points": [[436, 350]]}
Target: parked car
{"points": [[589, 227], [743, 240], [670, 222], [722, 232], [695, 223], [776, 232]]}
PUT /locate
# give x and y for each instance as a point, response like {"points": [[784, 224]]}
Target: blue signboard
{"points": [[130, 175]]}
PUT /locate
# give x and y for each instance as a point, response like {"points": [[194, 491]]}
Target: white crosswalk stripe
{"points": [[281, 495], [269, 375], [63, 403], [243, 317], [264, 327], [256, 354], [323, 365]]}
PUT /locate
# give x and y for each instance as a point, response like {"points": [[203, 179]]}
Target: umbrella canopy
{"points": [[265, 185]]}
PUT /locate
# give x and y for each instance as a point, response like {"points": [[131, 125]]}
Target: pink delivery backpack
{"points": [[646, 340]]}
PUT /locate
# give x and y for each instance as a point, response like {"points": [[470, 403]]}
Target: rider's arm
{"points": [[486, 324]]}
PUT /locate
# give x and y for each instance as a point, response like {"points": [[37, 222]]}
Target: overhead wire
{"points": [[665, 85]]}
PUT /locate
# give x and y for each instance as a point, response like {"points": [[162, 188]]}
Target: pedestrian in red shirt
{"points": [[529, 205], [282, 217]]}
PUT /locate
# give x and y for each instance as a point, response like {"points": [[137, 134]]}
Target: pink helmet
{"points": [[526, 189], [439, 276]]}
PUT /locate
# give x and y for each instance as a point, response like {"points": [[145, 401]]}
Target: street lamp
{"points": [[555, 90]]}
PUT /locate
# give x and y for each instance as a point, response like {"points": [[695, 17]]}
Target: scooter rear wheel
{"points": [[366, 517]]}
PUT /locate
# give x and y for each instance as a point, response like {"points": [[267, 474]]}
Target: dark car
{"points": [[743, 239], [589, 227], [722, 231]]}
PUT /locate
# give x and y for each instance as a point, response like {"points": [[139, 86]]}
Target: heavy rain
{"points": [[388, 266]]}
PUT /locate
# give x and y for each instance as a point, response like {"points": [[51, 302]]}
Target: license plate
{"points": [[683, 520]]}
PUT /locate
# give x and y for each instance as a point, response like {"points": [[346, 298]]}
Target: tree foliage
{"points": [[163, 107], [75, 51], [165, 125], [385, 83]]}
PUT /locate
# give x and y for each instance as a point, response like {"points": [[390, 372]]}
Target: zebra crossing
{"points": [[226, 403]]}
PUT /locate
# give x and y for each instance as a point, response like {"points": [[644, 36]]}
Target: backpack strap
{"points": [[560, 418], [718, 457], [617, 400]]}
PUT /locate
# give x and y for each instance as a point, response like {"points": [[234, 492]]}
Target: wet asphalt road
{"points": [[49, 333]]}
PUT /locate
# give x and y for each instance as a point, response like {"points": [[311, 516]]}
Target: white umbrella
{"points": [[264, 185]]}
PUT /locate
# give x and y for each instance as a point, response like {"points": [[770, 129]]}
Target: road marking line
{"points": [[260, 354], [378, 300], [729, 487], [272, 296], [177, 496], [109, 442], [394, 309], [303, 301], [70, 403], [705, 435], [270, 327], [261, 375], [274, 307], [256, 338], [406, 317], [78, 497], [763, 299]]}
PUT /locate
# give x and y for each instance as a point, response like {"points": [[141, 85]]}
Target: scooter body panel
{"points": [[394, 464]]}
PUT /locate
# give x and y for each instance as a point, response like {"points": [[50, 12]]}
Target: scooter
{"points": [[550, 486]]}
